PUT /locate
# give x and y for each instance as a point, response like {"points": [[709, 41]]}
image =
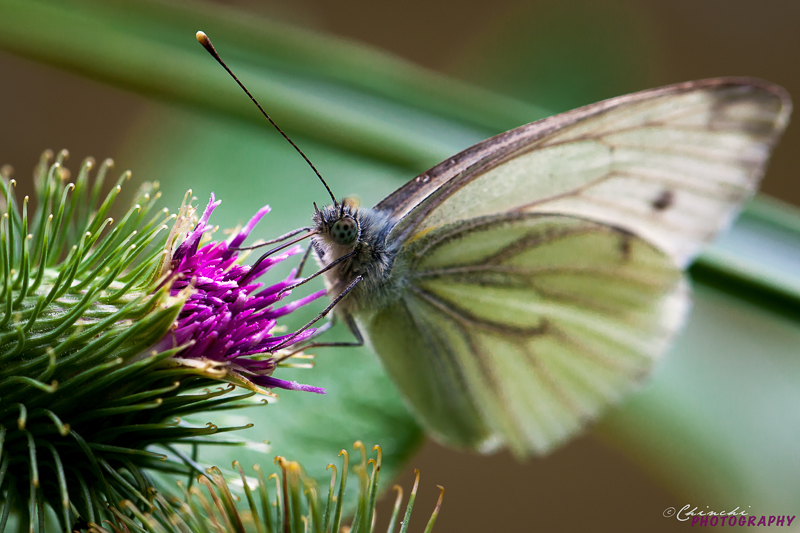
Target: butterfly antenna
{"points": [[203, 39]]}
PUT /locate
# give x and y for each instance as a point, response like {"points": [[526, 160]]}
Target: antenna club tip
{"points": [[203, 39]]}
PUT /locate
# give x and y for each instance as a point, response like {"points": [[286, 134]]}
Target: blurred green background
{"points": [[718, 425]]}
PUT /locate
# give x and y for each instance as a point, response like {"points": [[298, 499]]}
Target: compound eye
{"points": [[344, 231]]}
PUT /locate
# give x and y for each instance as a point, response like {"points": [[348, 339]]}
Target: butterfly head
{"points": [[338, 224]]}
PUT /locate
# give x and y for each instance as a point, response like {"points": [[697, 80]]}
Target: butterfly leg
{"points": [[303, 261], [322, 270], [273, 241], [324, 312], [254, 268], [351, 324]]}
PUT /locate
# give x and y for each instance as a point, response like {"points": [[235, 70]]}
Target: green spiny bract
{"points": [[86, 406], [297, 507]]}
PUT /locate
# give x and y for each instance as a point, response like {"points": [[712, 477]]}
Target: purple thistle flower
{"points": [[229, 318]]}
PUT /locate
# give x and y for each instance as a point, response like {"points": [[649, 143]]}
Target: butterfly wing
{"points": [[672, 165], [504, 331], [539, 272]]}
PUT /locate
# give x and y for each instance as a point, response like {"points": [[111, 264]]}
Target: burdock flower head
{"points": [[109, 331], [228, 320]]}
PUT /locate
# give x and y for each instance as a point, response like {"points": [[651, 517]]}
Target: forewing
{"points": [[519, 328], [672, 165]]}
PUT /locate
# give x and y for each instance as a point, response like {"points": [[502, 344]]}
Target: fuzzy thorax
{"points": [[372, 258]]}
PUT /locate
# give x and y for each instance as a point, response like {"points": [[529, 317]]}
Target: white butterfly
{"points": [[518, 288]]}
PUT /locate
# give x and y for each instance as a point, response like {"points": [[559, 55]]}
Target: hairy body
{"points": [[373, 259]]}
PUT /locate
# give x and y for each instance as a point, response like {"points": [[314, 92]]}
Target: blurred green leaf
{"points": [[360, 404], [760, 259], [346, 95]]}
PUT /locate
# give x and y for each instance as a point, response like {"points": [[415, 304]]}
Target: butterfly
{"points": [[519, 288]]}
